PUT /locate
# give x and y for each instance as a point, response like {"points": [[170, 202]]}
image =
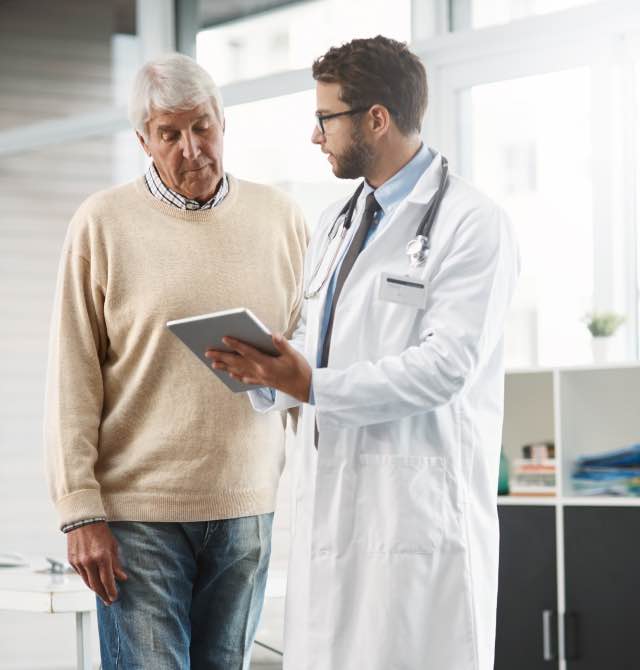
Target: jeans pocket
{"points": [[400, 503]]}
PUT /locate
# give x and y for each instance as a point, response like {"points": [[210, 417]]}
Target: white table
{"points": [[24, 590]]}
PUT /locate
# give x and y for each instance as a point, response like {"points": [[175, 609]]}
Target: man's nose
{"points": [[190, 146], [316, 136]]}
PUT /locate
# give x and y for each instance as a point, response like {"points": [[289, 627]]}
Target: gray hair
{"points": [[171, 83]]}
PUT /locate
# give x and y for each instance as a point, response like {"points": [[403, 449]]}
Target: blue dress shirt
{"points": [[389, 195]]}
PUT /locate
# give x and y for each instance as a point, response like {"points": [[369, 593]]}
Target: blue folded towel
{"points": [[609, 473], [620, 458]]}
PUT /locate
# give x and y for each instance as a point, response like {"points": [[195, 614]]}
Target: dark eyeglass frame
{"points": [[321, 118]]}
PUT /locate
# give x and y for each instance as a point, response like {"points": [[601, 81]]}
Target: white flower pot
{"points": [[601, 346]]}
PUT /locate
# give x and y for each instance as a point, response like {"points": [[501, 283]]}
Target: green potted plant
{"points": [[602, 325]]}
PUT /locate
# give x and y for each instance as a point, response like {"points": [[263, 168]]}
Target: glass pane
{"points": [[293, 36], [529, 148], [61, 59], [479, 13], [269, 141]]}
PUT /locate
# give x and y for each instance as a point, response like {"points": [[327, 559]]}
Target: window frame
{"points": [[602, 38]]}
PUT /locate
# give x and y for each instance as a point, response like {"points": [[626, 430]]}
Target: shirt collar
{"points": [[399, 186], [161, 191]]}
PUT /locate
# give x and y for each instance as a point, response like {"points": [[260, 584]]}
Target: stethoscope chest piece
{"points": [[417, 250]]}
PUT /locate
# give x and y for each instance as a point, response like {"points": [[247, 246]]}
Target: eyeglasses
{"points": [[321, 118]]}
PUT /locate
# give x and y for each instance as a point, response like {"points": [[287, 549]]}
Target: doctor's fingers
{"points": [[226, 361], [248, 379], [224, 357], [248, 371], [235, 365], [246, 350]]}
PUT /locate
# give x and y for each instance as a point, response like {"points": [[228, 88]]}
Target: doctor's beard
{"points": [[356, 159]]}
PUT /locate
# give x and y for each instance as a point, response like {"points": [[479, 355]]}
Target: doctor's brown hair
{"points": [[378, 70]]}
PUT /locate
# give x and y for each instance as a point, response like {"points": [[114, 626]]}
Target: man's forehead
{"points": [[166, 117], [327, 96]]}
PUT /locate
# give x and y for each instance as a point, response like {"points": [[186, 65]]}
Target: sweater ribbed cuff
{"points": [[80, 505]]}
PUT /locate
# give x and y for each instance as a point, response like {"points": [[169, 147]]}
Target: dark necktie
{"points": [[371, 208], [357, 243]]}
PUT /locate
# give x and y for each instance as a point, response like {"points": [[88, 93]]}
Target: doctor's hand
{"points": [[289, 372]]}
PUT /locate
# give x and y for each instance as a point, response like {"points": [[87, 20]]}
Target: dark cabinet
{"points": [[601, 574], [602, 583], [526, 632]]}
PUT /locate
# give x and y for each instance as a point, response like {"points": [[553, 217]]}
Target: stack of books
{"points": [[609, 473], [535, 473]]}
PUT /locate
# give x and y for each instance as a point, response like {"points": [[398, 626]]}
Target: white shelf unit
{"points": [[584, 410]]}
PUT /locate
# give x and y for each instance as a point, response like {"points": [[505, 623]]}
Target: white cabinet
{"points": [[583, 410]]}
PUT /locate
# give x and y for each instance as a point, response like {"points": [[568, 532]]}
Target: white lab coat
{"points": [[394, 557]]}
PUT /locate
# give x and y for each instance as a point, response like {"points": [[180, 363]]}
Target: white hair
{"points": [[171, 83]]}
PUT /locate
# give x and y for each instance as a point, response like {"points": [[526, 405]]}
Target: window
{"points": [[293, 36], [529, 147], [269, 141]]}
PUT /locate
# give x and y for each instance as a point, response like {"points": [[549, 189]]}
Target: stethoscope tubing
{"points": [[423, 230]]}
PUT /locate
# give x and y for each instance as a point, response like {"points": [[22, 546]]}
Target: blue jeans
{"points": [[193, 597]]}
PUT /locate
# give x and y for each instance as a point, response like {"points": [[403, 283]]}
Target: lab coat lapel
{"points": [[402, 225], [409, 212]]}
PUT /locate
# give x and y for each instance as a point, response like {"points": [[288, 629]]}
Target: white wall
{"points": [[55, 61]]}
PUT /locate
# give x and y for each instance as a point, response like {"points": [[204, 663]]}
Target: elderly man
{"points": [[164, 481]]}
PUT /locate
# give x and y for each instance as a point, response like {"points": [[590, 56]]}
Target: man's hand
{"points": [[93, 553], [289, 372]]}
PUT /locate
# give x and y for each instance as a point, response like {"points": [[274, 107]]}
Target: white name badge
{"points": [[404, 290]]}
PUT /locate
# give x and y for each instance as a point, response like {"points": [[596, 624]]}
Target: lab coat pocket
{"points": [[333, 510], [400, 503]]}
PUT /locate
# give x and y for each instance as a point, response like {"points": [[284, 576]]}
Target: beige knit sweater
{"points": [[136, 427]]}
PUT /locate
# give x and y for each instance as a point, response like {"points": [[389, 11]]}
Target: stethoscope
{"points": [[417, 249]]}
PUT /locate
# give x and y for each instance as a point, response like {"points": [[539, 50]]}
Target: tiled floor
{"points": [[271, 623], [265, 660], [270, 634]]}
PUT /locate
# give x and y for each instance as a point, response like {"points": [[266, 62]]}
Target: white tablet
{"points": [[206, 331]]}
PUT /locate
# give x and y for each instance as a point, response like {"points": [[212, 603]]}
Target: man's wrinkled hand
{"points": [[92, 551], [289, 372]]}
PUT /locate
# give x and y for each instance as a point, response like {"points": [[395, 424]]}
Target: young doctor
{"points": [[398, 360]]}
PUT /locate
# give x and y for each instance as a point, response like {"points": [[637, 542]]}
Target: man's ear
{"points": [[380, 118], [143, 143]]}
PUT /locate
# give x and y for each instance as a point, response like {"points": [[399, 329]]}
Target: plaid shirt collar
{"points": [[159, 190]]}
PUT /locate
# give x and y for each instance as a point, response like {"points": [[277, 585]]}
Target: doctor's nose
{"points": [[316, 136]]}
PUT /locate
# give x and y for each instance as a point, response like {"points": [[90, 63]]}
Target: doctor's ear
{"points": [[379, 118]]}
